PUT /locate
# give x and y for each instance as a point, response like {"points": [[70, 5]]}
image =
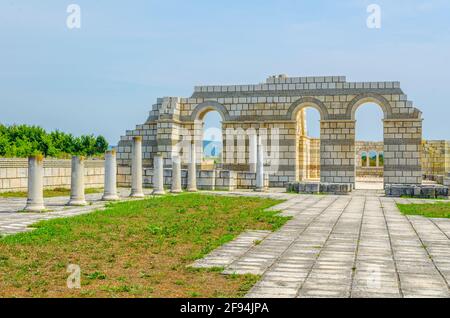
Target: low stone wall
{"points": [[316, 188], [369, 172], [206, 179], [417, 191], [435, 157], [247, 180], [14, 174]]}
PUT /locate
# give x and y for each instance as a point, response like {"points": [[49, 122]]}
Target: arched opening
{"points": [[364, 158], [211, 138], [369, 147], [308, 143]]}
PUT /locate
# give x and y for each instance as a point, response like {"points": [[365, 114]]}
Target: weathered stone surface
{"points": [[419, 191]]}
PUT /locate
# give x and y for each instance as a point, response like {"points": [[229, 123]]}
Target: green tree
{"points": [[23, 140]]}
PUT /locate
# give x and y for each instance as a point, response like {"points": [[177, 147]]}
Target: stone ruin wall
{"points": [[364, 171], [276, 103], [436, 159], [57, 172]]}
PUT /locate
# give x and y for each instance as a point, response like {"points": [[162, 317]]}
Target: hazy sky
{"points": [[104, 77]]}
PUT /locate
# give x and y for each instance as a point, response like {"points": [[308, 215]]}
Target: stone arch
{"points": [[369, 98], [307, 102], [201, 109]]}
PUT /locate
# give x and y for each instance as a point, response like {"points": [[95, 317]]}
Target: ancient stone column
{"points": [[77, 197], [110, 191], [35, 201], [158, 175], [253, 150], [176, 175], [192, 171], [136, 168], [378, 160], [260, 167]]}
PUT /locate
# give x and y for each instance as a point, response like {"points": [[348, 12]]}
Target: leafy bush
{"points": [[23, 141]]}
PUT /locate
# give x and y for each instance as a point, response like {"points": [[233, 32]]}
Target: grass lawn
{"points": [[58, 192], [431, 210], [134, 249]]}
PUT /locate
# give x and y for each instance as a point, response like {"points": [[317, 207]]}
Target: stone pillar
{"points": [[110, 191], [77, 197], [402, 151], [307, 155], [368, 160], [260, 167], [35, 201], [192, 172], [378, 160], [176, 175], [136, 169], [253, 150], [158, 175]]}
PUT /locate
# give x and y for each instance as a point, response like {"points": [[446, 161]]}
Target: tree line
{"points": [[21, 141]]}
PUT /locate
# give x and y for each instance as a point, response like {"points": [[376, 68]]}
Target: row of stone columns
{"points": [[35, 201], [158, 174], [377, 160]]}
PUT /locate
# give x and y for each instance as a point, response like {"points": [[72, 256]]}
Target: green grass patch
{"points": [[135, 249], [431, 210], [57, 192]]}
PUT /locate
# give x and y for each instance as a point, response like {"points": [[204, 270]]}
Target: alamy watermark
{"points": [[73, 20], [374, 18], [74, 279]]}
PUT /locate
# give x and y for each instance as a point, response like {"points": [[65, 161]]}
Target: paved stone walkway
{"points": [[344, 246]]}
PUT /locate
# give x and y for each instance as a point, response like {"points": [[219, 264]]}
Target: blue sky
{"points": [[104, 77]]}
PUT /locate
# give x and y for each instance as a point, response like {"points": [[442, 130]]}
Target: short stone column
{"points": [[136, 168], [176, 175], [192, 171], [110, 191], [158, 175], [35, 200], [253, 151], [378, 160], [260, 167], [77, 197]]}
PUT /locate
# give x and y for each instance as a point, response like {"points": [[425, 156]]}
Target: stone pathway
{"points": [[345, 246]]}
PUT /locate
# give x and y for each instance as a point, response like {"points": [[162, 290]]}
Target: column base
{"points": [[158, 192], [77, 203], [176, 191], [34, 208], [137, 195], [110, 197], [192, 190], [260, 190]]}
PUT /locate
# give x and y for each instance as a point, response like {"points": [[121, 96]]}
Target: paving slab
{"points": [[357, 246]]}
